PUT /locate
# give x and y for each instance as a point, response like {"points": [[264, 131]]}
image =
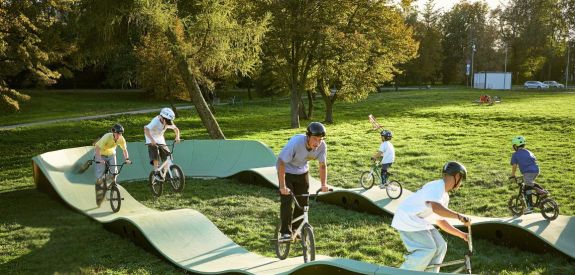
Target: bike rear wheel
{"points": [[308, 243], [282, 248], [516, 205], [367, 179], [549, 209], [157, 187], [115, 198], [393, 189], [178, 180]]}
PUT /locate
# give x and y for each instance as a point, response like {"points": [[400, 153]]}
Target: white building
{"points": [[492, 80]]}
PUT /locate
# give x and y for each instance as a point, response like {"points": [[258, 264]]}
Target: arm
{"points": [[323, 176], [126, 155], [448, 213], [447, 227], [149, 135], [97, 154], [377, 155], [177, 131], [281, 177], [513, 169]]}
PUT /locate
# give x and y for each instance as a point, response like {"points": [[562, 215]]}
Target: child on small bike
{"points": [[528, 166], [105, 151], [415, 216], [387, 152], [154, 133]]}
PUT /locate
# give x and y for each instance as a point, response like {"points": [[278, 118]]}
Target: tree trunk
{"points": [[302, 112], [310, 106], [294, 103], [193, 88], [328, 100]]}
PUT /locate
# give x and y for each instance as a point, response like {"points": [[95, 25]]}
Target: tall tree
{"points": [[32, 45], [350, 45]]}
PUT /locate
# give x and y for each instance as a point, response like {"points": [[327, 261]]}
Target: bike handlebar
{"points": [[306, 195]]}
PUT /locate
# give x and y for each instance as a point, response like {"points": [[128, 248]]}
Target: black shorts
{"points": [[158, 152]]}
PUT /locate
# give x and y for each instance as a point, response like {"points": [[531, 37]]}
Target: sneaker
{"points": [[285, 237], [158, 176], [528, 210], [382, 186]]}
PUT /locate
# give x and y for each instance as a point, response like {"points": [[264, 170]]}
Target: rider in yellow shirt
{"points": [[105, 151]]}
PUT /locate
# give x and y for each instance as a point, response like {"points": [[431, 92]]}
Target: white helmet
{"points": [[168, 114]]}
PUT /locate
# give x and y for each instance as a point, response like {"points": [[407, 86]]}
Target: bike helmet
{"points": [[315, 129], [518, 141], [168, 114], [117, 128], [454, 167], [387, 134]]}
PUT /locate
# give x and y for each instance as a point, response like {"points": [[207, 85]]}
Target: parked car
{"points": [[535, 85], [554, 84]]}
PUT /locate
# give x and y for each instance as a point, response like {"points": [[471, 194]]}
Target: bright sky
{"points": [[446, 5]]}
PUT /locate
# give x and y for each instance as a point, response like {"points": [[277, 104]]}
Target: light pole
{"points": [[505, 70], [567, 67], [472, 54]]}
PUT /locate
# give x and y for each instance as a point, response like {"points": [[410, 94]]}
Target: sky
{"points": [[446, 5]]}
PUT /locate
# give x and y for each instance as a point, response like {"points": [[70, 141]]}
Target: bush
{"points": [[10, 99]]}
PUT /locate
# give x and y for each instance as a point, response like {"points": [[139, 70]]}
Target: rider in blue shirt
{"points": [[527, 165]]}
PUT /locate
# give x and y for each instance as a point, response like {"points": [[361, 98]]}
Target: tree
{"points": [[350, 45], [31, 46]]}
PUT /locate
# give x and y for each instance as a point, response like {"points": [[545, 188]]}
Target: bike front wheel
{"points": [[393, 189], [157, 187], [178, 180], [367, 179], [115, 199], [282, 248], [549, 209], [308, 243], [516, 205]]}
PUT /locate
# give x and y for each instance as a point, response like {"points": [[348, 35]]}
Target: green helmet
{"points": [[518, 141], [454, 167]]}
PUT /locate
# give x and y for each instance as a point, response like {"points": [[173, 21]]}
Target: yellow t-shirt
{"points": [[107, 144]]}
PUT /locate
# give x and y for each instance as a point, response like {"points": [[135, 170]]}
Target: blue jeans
{"points": [[424, 247]]}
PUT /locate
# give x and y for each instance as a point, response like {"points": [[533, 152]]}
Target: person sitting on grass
{"points": [[416, 215], [105, 151], [529, 169], [387, 151]]}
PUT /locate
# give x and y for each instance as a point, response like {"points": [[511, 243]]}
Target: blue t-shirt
{"points": [[526, 161], [295, 155]]}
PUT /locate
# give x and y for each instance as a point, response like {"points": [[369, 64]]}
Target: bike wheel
{"points": [[115, 199], [549, 209], [178, 180], [308, 243], [516, 205], [282, 248], [394, 189], [157, 187], [367, 179]]}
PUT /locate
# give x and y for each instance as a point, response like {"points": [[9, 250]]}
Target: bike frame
{"points": [[165, 167], [519, 181], [303, 217], [108, 170], [466, 261]]}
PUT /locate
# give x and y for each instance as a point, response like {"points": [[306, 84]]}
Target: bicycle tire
{"points": [[308, 243], [549, 209], [394, 189], [157, 187], [516, 205], [115, 198], [178, 180], [281, 248], [366, 180]]}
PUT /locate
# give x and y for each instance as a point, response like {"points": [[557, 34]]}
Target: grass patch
{"points": [[430, 127]]}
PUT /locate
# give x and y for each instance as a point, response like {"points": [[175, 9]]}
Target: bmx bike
{"points": [[549, 207], [109, 180], [304, 232], [168, 172], [367, 180]]}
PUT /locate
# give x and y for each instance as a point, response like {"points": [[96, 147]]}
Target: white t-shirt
{"points": [[414, 214], [157, 130], [388, 152]]}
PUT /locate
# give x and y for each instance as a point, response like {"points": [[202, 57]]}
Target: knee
{"points": [[441, 248]]}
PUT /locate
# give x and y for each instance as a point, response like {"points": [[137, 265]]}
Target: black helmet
{"points": [[454, 167], [117, 128], [387, 134], [316, 129]]}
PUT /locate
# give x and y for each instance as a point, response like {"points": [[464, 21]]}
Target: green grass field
{"points": [[40, 235]]}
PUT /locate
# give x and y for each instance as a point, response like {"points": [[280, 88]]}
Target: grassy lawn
{"points": [[40, 235]]}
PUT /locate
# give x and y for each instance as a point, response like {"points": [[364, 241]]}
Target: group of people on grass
{"points": [[414, 218]]}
